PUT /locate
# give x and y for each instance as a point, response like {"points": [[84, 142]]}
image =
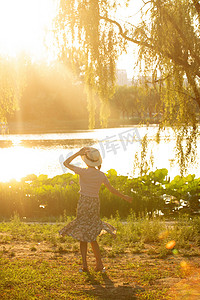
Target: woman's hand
{"points": [[128, 198], [83, 151]]}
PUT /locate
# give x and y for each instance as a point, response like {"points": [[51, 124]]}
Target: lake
{"points": [[23, 154]]}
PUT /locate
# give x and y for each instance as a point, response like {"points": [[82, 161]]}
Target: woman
{"points": [[88, 225]]}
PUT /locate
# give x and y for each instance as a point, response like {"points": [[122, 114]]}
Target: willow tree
{"points": [[170, 47], [93, 45], [169, 50]]}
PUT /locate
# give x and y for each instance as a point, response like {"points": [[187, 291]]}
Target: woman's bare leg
{"points": [[83, 248], [97, 254]]}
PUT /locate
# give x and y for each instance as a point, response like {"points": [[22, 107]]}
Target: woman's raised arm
{"points": [[69, 159]]}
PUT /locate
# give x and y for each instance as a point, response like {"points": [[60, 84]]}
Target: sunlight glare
{"points": [[16, 165], [24, 25]]}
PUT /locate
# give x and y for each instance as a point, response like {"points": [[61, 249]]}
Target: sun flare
{"points": [[25, 25]]}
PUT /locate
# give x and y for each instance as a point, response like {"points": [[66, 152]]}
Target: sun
{"points": [[25, 25]]}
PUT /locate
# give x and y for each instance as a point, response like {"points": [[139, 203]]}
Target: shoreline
{"points": [[67, 126]]}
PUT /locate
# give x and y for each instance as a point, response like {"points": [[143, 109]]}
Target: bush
{"points": [[41, 197]]}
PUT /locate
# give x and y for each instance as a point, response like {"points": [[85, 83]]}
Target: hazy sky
{"points": [[127, 61], [23, 27], [131, 15]]}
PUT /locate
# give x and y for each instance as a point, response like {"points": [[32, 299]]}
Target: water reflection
{"points": [[25, 154], [69, 143], [6, 144]]}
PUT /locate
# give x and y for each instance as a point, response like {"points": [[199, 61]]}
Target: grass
{"points": [[36, 263]]}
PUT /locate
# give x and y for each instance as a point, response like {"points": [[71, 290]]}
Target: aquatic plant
{"points": [[153, 194]]}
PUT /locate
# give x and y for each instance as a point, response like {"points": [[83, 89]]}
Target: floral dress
{"points": [[87, 225]]}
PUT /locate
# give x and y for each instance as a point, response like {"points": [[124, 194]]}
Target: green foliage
{"points": [[169, 49], [136, 101], [12, 83], [92, 34], [42, 197], [92, 45]]}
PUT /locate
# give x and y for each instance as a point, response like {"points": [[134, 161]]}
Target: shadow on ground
{"points": [[111, 290]]}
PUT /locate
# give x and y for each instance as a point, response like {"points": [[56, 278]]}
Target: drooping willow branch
{"points": [[124, 35], [176, 59]]}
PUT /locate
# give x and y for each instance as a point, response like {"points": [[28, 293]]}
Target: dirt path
{"points": [[128, 275]]}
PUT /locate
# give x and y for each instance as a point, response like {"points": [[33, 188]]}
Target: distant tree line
{"points": [[137, 101], [52, 94], [49, 95]]}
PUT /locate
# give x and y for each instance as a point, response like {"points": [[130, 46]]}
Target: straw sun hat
{"points": [[92, 158]]}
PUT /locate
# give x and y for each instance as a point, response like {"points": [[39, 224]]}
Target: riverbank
{"points": [[59, 126]]}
